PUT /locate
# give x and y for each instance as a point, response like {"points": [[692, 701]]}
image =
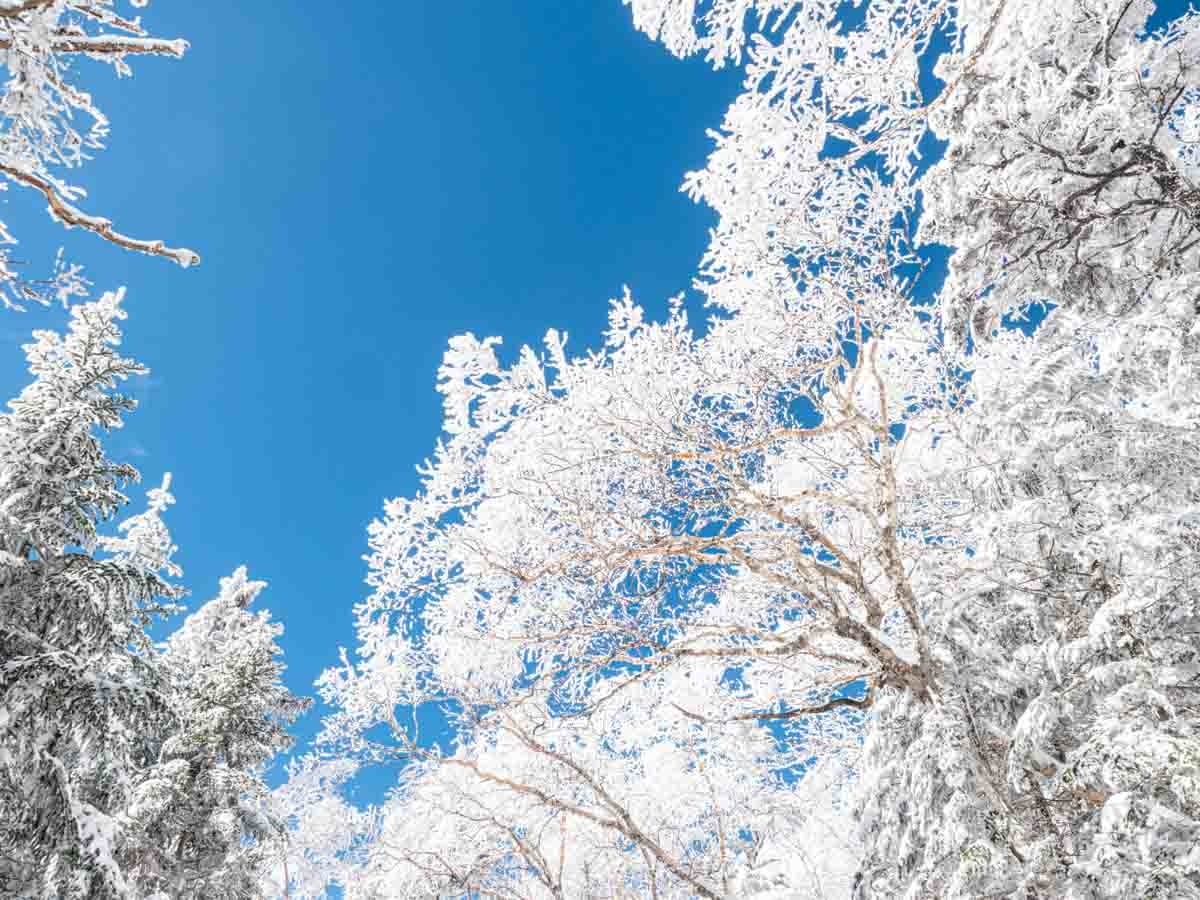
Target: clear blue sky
{"points": [[363, 181]]}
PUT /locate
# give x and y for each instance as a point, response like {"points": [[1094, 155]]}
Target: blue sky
{"points": [[363, 181]]}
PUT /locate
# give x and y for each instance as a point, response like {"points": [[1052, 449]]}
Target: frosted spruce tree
{"points": [[127, 770], [200, 821], [82, 704]]}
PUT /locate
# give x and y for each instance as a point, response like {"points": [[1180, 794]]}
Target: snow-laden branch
{"points": [[12, 9], [72, 217], [52, 125], [112, 45]]}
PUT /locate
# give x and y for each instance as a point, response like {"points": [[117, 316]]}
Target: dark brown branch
{"points": [[833, 703], [14, 12]]}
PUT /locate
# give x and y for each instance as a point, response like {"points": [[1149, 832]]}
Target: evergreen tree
{"points": [[201, 821], [126, 769], [81, 701]]}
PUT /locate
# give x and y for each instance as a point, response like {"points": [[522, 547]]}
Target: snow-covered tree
{"points": [[126, 769], [81, 704], [1071, 166], [1059, 756], [628, 569], [51, 125], [646, 587], [538, 805], [200, 823], [326, 834]]}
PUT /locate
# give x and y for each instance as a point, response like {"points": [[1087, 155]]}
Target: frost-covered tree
{"points": [[81, 704], [1059, 756], [608, 807], [51, 125], [325, 833], [126, 769], [647, 586], [1071, 167], [630, 567], [199, 823]]}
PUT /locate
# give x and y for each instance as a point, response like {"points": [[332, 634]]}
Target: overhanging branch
{"points": [[75, 218]]}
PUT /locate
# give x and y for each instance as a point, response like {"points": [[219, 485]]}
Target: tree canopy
{"points": [[879, 583]]}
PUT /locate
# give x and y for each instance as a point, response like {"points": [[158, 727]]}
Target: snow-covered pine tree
{"points": [[201, 822], [127, 770], [82, 704]]}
